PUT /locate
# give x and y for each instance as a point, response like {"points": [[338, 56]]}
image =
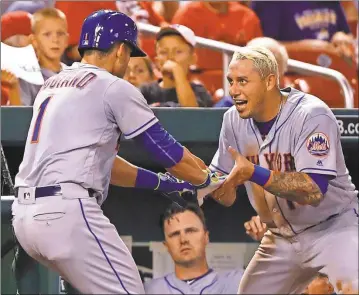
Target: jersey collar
{"points": [[287, 111]]}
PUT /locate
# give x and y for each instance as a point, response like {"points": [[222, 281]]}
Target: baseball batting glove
{"points": [[213, 181], [174, 188]]}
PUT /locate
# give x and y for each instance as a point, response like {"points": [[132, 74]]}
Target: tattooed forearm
{"points": [[294, 186]]}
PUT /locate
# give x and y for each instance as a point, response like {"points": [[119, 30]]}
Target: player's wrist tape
{"points": [[260, 175]]}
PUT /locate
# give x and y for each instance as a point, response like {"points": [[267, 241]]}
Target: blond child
{"points": [[49, 38]]}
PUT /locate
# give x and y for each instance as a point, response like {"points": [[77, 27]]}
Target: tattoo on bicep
{"points": [[295, 186]]}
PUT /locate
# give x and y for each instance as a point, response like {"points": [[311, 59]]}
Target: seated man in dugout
{"points": [[174, 56], [186, 238]]}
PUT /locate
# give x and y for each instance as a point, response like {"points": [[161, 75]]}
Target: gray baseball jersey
{"points": [[75, 130], [78, 117], [304, 138], [211, 283], [302, 239]]}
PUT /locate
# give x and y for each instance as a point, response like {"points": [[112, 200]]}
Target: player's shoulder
{"points": [[307, 105], [155, 286], [102, 76], [231, 274], [230, 280]]}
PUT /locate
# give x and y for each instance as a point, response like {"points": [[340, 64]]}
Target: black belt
{"points": [[47, 191], [44, 191]]}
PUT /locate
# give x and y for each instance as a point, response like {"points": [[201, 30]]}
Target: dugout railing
{"points": [[293, 65]]}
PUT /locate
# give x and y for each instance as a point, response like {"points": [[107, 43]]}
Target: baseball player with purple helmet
{"points": [[284, 146], [70, 160]]}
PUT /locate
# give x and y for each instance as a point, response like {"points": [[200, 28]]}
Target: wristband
{"points": [[260, 175], [147, 179], [205, 183]]}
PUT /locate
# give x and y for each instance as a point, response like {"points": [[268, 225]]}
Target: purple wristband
{"points": [[147, 179], [260, 175]]}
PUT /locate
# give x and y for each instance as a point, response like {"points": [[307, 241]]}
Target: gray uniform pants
{"points": [[75, 239], [288, 265]]}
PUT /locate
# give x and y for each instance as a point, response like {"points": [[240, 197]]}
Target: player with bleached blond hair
{"points": [[284, 146]]}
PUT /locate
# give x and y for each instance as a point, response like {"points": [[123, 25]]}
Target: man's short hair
{"points": [[175, 209]]}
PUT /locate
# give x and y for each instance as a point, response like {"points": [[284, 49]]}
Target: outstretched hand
{"points": [[241, 172]]}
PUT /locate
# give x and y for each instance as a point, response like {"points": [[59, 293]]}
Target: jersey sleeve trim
{"points": [[218, 169], [318, 170], [141, 129]]}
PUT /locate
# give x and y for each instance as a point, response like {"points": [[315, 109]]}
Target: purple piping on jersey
{"points": [[173, 287], [102, 250], [309, 168], [219, 169], [202, 276], [300, 99], [255, 134], [154, 118], [208, 286]]}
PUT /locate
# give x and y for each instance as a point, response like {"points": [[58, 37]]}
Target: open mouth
{"points": [[240, 102]]}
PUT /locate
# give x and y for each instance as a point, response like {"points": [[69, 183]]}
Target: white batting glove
{"points": [[213, 181]]}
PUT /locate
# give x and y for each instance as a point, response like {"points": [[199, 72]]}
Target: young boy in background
{"points": [[49, 38], [174, 56]]}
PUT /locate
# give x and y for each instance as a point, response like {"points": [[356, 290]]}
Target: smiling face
{"points": [[50, 37], [247, 88], [186, 238]]}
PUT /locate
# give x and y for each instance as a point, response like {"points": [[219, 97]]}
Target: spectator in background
{"points": [[295, 22], [281, 55], [139, 71], [49, 39], [174, 56], [16, 28], [28, 6], [15, 31], [76, 12], [225, 21], [186, 238], [166, 9]]}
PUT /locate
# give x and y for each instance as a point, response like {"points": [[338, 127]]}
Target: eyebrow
{"points": [[191, 228], [237, 78]]}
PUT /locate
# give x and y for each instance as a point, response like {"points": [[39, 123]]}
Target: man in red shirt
{"points": [[226, 21]]}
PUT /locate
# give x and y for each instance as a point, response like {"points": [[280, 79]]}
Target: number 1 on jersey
{"points": [[40, 115]]}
